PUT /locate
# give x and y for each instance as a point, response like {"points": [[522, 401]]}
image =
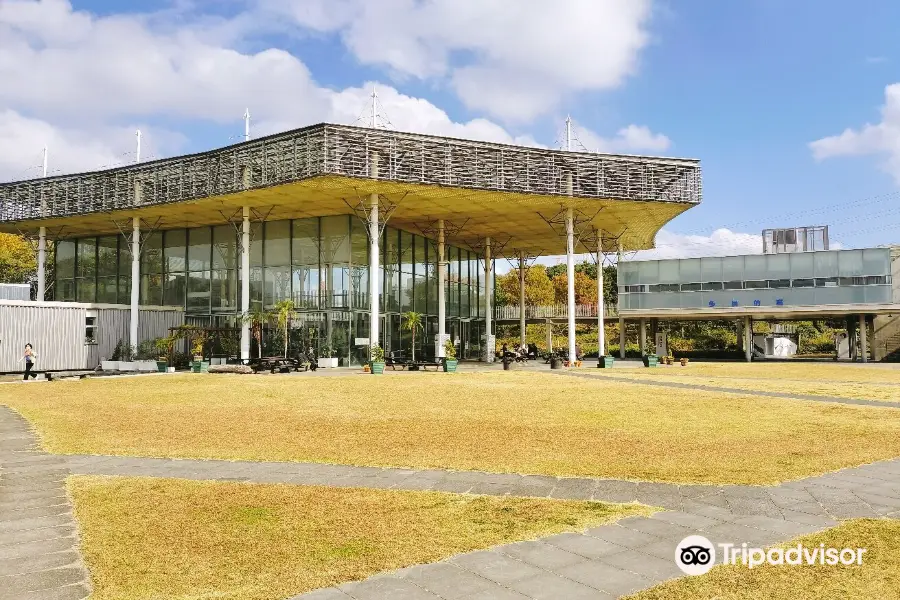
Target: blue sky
{"points": [[747, 87]]}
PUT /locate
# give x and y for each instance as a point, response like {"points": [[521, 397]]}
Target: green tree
{"points": [[257, 318], [412, 322], [283, 313], [538, 287], [17, 260]]}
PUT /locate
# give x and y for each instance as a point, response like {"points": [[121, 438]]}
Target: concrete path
{"points": [[39, 558], [729, 390], [38, 545]]}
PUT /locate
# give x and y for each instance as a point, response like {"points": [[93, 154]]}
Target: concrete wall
{"points": [[57, 331]]}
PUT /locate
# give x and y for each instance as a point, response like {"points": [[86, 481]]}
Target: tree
{"points": [[284, 310], [538, 288], [17, 260], [412, 321], [585, 288], [257, 319]]}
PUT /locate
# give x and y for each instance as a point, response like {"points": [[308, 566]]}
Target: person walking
{"points": [[29, 357]]}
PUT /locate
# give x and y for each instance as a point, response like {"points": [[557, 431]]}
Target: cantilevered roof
{"points": [[512, 193]]}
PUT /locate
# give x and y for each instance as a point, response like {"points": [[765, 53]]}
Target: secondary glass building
{"points": [[319, 263], [831, 277]]}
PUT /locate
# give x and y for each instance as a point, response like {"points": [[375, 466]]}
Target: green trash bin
{"points": [[605, 362], [651, 360]]}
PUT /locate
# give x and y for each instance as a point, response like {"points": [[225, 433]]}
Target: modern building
{"points": [[355, 225], [790, 283]]}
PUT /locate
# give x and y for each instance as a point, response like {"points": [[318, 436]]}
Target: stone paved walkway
{"points": [[729, 390], [39, 556]]}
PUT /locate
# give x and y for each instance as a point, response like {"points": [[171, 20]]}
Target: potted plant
{"points": [[684, 362], [412, 322], [555, 361], [377, 362], [257, 319], [166, 347], [326, 357], [651, 360], [113, 363], [605, 362], [198, 340], [126, 358], [450, 361]]}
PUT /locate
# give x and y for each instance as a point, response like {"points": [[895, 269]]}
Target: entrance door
{"points": [[465, 332]]}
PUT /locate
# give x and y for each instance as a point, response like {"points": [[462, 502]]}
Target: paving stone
{"points": [[688, 520], [324, 594], [497, 593], [656, 527], [607, 578], [786, 528], [622, 536], [495, 566], [855, 510], [46, 501], [541, 555], [36, 535], [574, 489], [615, 491], [583, 545], [70, 592], [651, 567], [799, 517], [382, 587], [33, 523], [738, 534], [447, 580], [15, 585], [30, 564], [664, 549], [551, 587]]}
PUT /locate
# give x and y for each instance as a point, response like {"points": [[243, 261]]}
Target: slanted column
{"points": [[863, 339], [135, 281], [522, 298], [621, 337], [601, 329], [374, 260], [748, 339], [570, 274], [245, 283], [488, 350], [42, 265], [441, 289]]}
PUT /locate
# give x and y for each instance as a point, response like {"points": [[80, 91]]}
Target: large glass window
{"points": [[65, 270], [336, 259], [305, 259], [200, 249], [359, 259], [86, 270]]}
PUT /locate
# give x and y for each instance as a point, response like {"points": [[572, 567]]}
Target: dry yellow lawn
{"points": [[877, 578], [491, 421], [148, 538], [788, 381]]}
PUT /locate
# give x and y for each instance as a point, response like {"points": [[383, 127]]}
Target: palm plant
{"points": [[257, 319], [284, 311], [412, 322]]}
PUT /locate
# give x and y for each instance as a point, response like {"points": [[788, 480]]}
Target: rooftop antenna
{"points": [[45, 161], [374, 107], [247, 125], [568, 133], [137, 154]]}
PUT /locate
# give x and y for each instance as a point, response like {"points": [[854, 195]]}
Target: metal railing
{"points": [[552, 311]]}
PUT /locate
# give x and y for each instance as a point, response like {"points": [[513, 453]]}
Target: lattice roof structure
{"points": [[505, 191]]}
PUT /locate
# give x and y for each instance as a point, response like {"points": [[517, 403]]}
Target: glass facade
{"points": [[793, 279], [322, 264]]}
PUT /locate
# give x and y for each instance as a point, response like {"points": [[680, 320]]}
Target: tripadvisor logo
{"points": [[696, 555]]}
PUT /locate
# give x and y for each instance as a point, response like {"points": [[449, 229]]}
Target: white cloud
{"points": [[722, 242], [631, 139], [882, 139], [515, 59]]}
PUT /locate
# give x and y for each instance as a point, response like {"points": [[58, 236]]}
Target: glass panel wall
{"points": [[320, 263]]}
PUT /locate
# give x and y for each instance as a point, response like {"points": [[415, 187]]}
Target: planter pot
{"points": [[328, 363], [555, 363], [162, 366], [170, 370], [109, 365], [651, 360], [605, 362], [127, 366], [200, 366], [684, 362], [450, 365], [377, 368], [145, 366]]}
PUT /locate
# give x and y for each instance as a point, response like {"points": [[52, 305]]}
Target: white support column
{"points": [[570, 275], [748, 339], [135, 281], [863, 341], [245, 283], [521, 298], [488, 292], [42, 265], [642, 337], [601, 329], [374, 262], [622, 337], [441, 290], [549, 335]]}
